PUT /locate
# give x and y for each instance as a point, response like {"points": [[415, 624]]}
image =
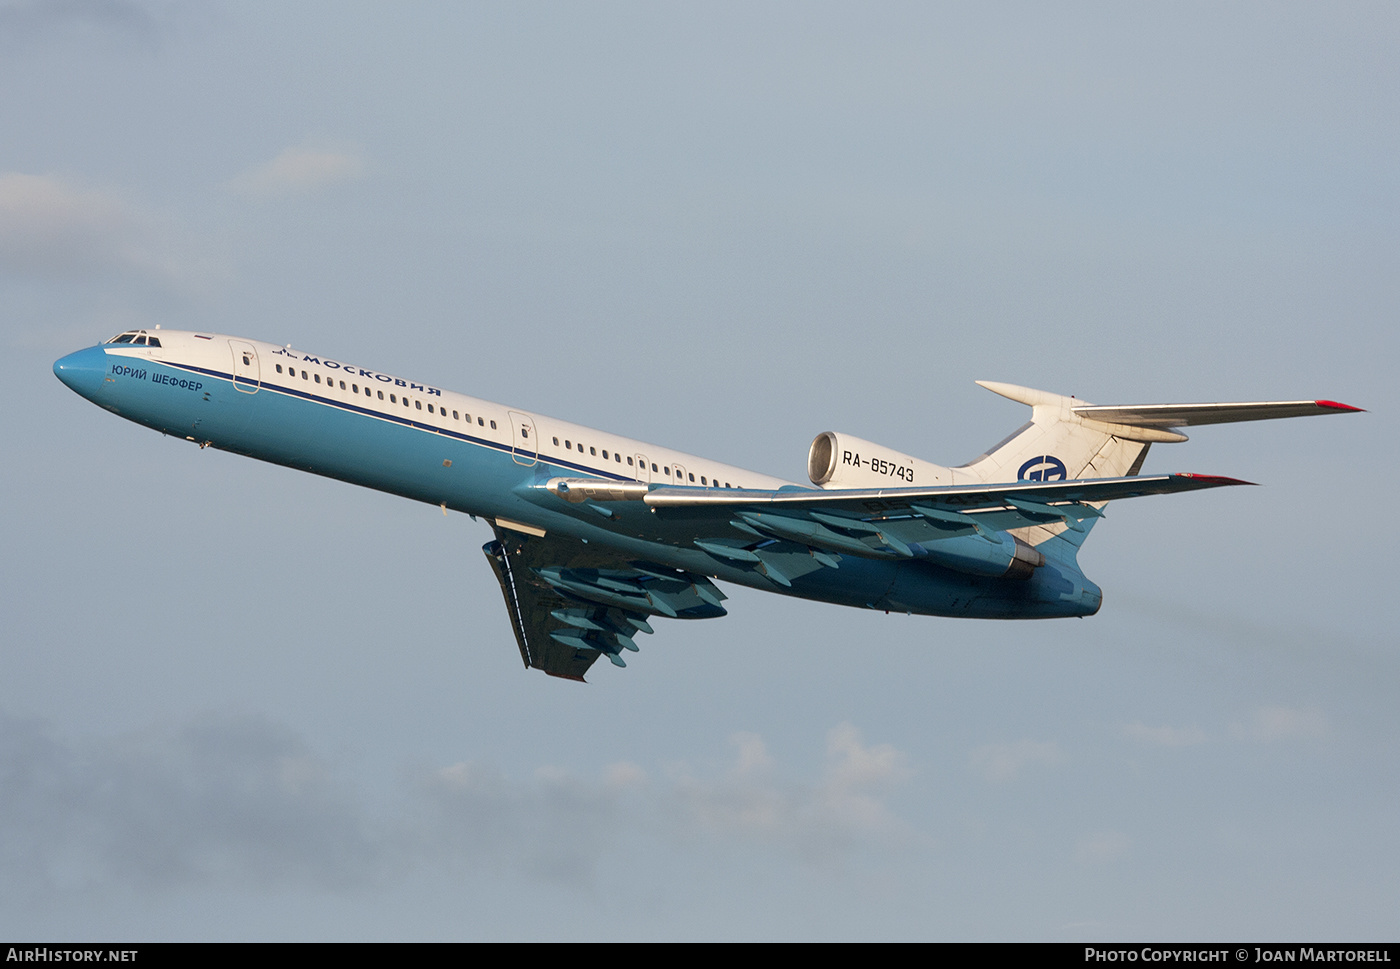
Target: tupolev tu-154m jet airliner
{"points": [[598, 535]]}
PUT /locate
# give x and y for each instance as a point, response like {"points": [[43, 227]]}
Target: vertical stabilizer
{"points": [[1060, 444]]}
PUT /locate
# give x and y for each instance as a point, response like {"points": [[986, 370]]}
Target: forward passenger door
{"points": [[247, 376], [524, 447]]}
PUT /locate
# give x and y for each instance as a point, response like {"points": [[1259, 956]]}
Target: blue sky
{"points": [[240, 702]]}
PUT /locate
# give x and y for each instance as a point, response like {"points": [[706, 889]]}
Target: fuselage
{"points": [[318, 414]]}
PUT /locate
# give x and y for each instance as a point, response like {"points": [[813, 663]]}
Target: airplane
{"points": [[597, 535]]}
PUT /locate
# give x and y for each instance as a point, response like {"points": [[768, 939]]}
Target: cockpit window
{"points": [[137, 337]]}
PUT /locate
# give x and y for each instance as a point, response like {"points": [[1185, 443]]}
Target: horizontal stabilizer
{"points": [[1185, 415]]}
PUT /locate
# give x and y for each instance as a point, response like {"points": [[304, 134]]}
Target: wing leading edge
{"points": [[1186, 415], [957, 497]]}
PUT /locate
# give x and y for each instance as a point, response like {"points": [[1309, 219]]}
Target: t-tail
{"points": [[1067, 439]]}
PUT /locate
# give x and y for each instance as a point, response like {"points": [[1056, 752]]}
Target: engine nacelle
{"points": [[843, 461], [1007, 558]]}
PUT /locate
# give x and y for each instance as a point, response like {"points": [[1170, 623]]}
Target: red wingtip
{"points": [[1334, 405], [1213, 479]]}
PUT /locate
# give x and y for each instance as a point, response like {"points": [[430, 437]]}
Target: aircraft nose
{"points": [[83, 371]]}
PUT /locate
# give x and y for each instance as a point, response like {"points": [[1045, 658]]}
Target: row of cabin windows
{"points": [[481, 421], [393, 398], [704, 480]]}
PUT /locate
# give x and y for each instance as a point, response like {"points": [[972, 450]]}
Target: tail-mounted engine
{"points": [[842, 461]]}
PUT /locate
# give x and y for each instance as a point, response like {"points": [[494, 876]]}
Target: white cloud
{"points": [[1273, 723], [1101, 847], [54, 228], [845, 810], [27, 21], [242, 802], [1002, 762], [51, 227], [221, 800], [299, 170], [1165, 736]]}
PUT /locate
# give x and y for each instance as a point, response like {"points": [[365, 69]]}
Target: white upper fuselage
{"points": [[586, 451]]}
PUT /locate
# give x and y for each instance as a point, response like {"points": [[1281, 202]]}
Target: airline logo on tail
{"points": [[1047, 467]]}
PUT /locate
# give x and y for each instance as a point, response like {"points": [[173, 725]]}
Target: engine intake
{"points": [[842, 461]]}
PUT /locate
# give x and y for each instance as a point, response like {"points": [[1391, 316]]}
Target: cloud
{"points": [[1002, 762], [1165, 736], [556, 827], [240, 802], [26, 21], [299, 170], [844, 811], [1101, 848], [53, 228], [217, 800], [50, 227], [1275, 723]]}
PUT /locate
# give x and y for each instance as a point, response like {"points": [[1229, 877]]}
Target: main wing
{"points": [[977, 499], [570, 603], [793, 531]]}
